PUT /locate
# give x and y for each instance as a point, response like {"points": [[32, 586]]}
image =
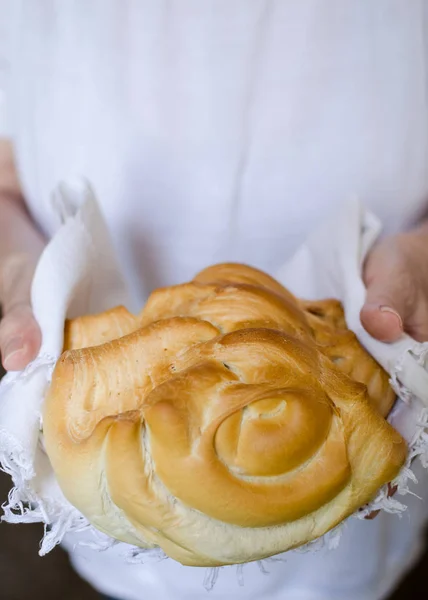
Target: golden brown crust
{"points": [[93, 330], [227, 422]]}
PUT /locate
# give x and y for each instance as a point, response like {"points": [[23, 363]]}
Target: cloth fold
{"points": [[78, 274]]}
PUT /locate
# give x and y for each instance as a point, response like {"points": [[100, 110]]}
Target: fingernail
{"points": [[15, 346], [388, 309]]}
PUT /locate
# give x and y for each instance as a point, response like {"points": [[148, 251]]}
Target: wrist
{"points": [[16, 268]]}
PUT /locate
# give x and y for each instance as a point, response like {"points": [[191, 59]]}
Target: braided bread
{"points": [[227, 422]]}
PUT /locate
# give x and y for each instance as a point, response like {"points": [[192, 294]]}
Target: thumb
{"points": [[20, 335], [381, 319], [387, 300]]}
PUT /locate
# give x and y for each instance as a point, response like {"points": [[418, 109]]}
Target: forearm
{"points": [[20, 241], [18, 234]]}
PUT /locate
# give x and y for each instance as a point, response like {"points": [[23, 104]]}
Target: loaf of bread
{"points": [[229, 421]]}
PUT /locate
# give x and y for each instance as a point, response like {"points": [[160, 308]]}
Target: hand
{"points": [[396, 278], [20, 336]]}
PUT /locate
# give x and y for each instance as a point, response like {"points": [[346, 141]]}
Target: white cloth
{"points": [[78, 274], [225, 131]]}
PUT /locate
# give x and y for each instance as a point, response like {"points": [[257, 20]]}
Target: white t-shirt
{"points": [[225, 130]]}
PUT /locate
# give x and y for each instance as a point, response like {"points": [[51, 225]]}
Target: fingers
{"points": [[417, 327], [20, 336], [381, 320], [390, 296], [392, 489]]}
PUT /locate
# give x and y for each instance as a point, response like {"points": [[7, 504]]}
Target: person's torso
{"points": [[223, 130]]}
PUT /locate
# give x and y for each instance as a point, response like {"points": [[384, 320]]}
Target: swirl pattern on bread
{"points": [[229, 421]]}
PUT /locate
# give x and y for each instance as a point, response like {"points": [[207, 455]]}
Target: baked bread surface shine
{"points": [[229, 421]]}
